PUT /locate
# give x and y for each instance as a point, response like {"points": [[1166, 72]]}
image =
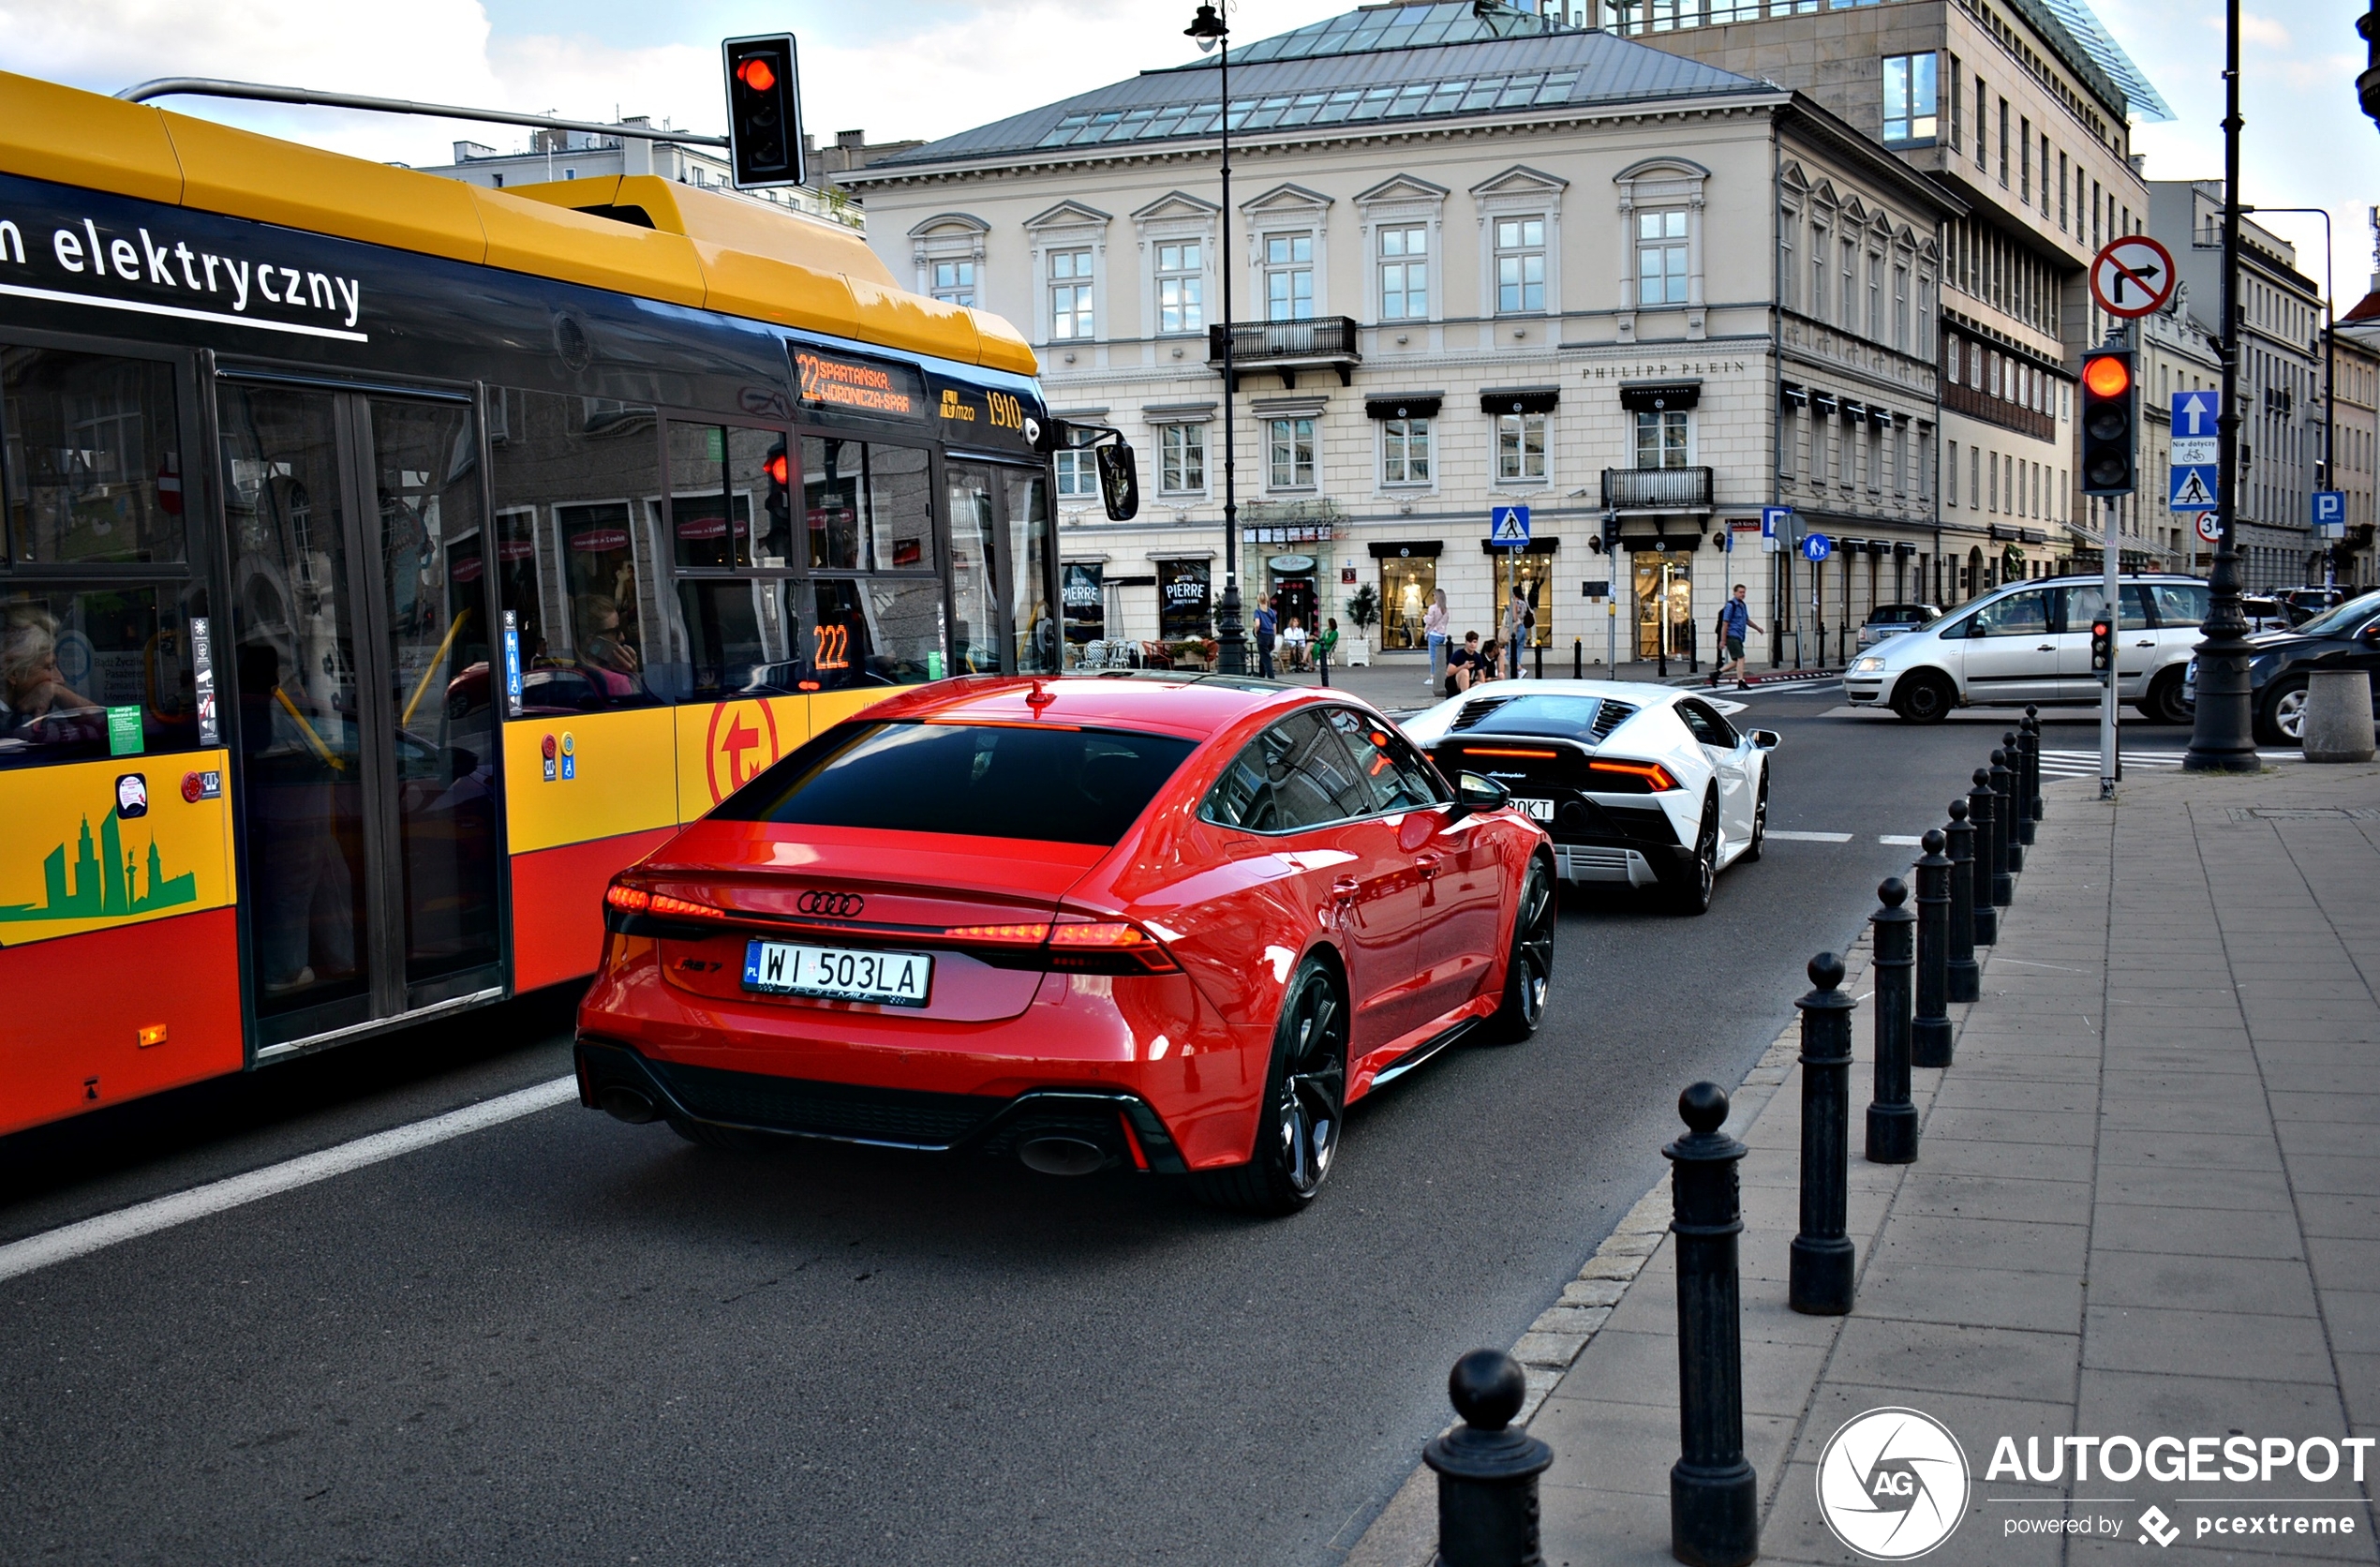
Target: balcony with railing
{"points": [[1657, 489], [1285, 347]]}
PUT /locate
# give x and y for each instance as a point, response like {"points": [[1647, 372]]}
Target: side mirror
{"points": [[1118, 481], [1767, 740], [1473, 793]]}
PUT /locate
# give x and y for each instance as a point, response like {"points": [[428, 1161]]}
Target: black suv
{"points": [[2349, 637]]}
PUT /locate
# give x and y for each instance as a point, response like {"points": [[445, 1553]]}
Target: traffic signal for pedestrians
{"points": [[2103, 645], [763, 112], [2110, 423]]}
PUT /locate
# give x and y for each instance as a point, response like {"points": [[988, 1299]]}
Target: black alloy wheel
{"points": [[1925, 697], [1690, 889], [1759, 821], [1528, 973], [2162, 703], [1304, 1095]]}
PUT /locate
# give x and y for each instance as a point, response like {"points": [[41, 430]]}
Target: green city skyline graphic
{"points": [[105, 882]]}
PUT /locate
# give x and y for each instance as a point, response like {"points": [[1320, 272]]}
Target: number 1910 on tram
{"points": [[386, 562]]}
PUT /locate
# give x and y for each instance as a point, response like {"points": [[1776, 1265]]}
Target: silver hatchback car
{"points": [[2029, 642]]}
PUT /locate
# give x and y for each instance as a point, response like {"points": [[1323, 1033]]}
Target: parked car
{"points": [[2029, 642], [1891, 620], [2264, 612], [2305, 604], [1164, 923], [2346, 638], [1639, 784]]}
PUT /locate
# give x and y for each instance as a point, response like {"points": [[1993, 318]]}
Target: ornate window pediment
{"points": [[1068, 215]]}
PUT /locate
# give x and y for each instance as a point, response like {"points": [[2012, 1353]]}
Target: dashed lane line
{"points": [[146, 1218]]}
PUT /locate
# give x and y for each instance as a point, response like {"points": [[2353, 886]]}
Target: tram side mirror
{"points": [[1118, 481]]}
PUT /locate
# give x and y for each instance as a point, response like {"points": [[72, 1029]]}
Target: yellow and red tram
{"points": [[385, 563]]}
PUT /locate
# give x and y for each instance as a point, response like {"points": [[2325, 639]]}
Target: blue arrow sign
{"points": [[1817, 547], [2195, 413], [1508, 525]]}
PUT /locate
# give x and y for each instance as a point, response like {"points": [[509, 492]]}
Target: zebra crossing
{"points": [[2085, 764]]}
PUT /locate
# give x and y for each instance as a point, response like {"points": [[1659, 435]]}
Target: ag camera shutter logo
{"points": [[1892, 1483]]}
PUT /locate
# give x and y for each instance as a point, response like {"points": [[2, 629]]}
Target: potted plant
{"points": [[1363, 612]]}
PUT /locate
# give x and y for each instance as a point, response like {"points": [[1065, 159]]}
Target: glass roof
{"points": [[1393, 100], [1412, 26]]}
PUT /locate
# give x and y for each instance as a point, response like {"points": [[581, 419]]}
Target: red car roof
{"points": [[1189, 705]]}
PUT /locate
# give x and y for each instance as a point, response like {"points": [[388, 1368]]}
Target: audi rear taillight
{"points": [[1023, 933], [637, 900], [1110, 946]]}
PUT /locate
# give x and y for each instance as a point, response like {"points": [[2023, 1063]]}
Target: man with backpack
{"points": [[1735, 619]]}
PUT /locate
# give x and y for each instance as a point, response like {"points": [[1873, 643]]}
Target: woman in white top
{"points": [[1433, 627], [1293, 645]]}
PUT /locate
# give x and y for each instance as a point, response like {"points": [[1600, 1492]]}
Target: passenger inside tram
{"points": [[36, 705]]}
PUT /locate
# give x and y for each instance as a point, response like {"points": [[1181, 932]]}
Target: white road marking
{"points": [[1810, 837], [1901, 841], [163, 1213]]}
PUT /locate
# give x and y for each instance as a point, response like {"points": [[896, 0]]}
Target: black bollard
{"points": [[2032, 716], [1714, 1494], [1892, 1120], [2013, 801], [2004, 879], [1979, 807], [1578, 658], [1487, 1472], [1820, 1278], [1540, 661], [1930, 1042], [1964, 975], [2028, 755]]}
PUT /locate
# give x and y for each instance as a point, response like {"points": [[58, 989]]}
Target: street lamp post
{"points": [[2221, 738], [1212, 32]]}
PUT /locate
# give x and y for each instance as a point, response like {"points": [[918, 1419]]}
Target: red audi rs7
{"points": [[1174, 924]]}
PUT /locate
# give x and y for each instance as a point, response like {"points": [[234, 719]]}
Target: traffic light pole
{"points": [[2110, 733], [2221, 738]]}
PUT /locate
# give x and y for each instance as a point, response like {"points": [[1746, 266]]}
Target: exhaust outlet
{"points": [[1063, 1155], [627, 1104]]}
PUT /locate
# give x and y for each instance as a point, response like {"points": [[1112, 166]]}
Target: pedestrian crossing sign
{"points": [[2190, 492], [1508, 525]]}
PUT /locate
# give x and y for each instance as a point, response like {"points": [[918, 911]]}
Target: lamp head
{"points": [[1208, 27]]}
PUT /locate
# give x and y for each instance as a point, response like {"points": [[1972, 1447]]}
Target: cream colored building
{"points": [[2356, 440], [2022, 108], [1478, 260]]}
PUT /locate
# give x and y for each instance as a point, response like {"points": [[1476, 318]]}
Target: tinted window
{"points": [[1400, 780], [987, 781], [2341, 621], [2025, 614], [95, 669], [1296, 774], [1706, 725], [1561, 717], [89, 459]]}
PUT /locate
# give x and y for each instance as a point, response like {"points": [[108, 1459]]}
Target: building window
{"points": [[1405, 273], [1292, 444], [1983, 120], [1952, 496], [1180, 286], [1924, 348], [1404, 451], [1520, 265], [1288, 277], [1181, 461], [2045, 175], [1078, 473], [1875, 299], [1660, 440], [1817, 271], [2025, 161], [1661, 257], [1069, 295], [1974, 477], [1849, 319], [954, 282], [1788, 282], [1957, 120], [2003, 143], [1908, 98], [1900, 308], [1519, 447]]}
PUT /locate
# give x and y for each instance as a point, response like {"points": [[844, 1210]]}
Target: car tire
{"points": [[1528, 967], [1303, 1109], [1760, 822], [1687, 886], [2162, 703], [1925, 697], [2281, 714]]}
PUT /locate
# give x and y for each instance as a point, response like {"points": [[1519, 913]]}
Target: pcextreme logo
{"points": [[1892, 1483]]}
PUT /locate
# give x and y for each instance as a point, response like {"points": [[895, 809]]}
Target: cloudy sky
{"points": [[926, 67]]}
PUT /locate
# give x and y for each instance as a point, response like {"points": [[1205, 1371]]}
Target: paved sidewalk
{"points": [[2146, 1203]]}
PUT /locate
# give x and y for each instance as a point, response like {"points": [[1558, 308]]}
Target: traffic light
{"points": [[776, 543], [2103, 645], [764, 110], [1608, 539], [2110, 423]]}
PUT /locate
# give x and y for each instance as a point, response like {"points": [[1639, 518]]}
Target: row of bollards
{"points": [[1925, 960]]}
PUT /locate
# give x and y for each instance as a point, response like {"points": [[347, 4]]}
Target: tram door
{"points": [[365, 716]]}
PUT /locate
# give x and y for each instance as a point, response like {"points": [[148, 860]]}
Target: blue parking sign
{"points": [[2329, 514]]}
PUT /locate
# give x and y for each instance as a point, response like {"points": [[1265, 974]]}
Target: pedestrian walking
{"points": [[1267, 623], [1518, 620], [1734, 619], [1324, 645], [1433, 628]]}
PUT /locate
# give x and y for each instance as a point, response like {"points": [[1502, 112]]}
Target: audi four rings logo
{"points": [[835, 906]]}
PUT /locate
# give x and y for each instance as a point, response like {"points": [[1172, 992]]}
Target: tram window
{"points": [[572, 475], [90, 670], [974, 610], [92, 464], [1035, 626], [868, 506], [739, 640], [875, 632], [719, 478]]}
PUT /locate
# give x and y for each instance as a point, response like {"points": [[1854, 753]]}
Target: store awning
{"points": [[1404, 404], [1385, 549], [1661, 397], [1520, 399]]}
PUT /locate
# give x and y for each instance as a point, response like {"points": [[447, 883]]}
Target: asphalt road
{"points": [[563, 1340]]}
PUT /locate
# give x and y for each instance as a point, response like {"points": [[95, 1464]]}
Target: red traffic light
{"points": [[756, 74], [777, 468], [2107, 377]]}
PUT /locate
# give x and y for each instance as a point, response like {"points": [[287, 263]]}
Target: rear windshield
{"points": [[983, 780], [1562, 716]]}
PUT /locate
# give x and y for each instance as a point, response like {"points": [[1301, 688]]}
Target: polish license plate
{"points": [[1538, 810], [837, 973]]}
